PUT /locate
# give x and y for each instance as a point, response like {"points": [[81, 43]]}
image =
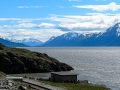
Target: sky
{"points": [[42, 19]]}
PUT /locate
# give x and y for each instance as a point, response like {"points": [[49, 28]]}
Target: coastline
{"points": [[43, 77]]}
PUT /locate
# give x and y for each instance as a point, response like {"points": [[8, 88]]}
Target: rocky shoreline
{"points": [[41, 84], [17, 61]]}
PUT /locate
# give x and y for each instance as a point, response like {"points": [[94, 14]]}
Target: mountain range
{"points": [[29, 42], [111, 37], [20, 43], [8, 43]]}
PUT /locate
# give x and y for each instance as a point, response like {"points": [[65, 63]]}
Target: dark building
{"points": [[63, 77]]}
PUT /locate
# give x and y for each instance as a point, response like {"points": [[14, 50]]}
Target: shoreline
{"points": [[45, 76]]}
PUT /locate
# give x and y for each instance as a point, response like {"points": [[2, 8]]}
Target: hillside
{"points": [[15, 60]]}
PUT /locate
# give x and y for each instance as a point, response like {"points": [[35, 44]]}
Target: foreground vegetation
{"points": [[71, 86], [2, 75]]}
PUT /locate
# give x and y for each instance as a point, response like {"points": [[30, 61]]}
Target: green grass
{"points": [[2, 75], [25, 53], [2, 52], [70, 86]]}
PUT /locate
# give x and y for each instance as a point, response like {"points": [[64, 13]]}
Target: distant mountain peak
{"points": [[9, 43], [28, 41], [117, 25], [118, 28], [70, 35], [31, 40], [52, 38], [114, 30]]}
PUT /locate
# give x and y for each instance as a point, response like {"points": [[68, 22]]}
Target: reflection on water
{"points": [[100, 65]]}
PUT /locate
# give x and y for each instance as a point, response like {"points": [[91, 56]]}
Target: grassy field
{"points": [[70, 86]]}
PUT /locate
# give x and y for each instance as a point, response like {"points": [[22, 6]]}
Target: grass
{"points": [[20, 52], [2, 75], [2, 52], [70, 86], [25, 53]]}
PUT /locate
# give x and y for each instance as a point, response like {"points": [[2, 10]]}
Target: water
{"points": [[99, 65]]}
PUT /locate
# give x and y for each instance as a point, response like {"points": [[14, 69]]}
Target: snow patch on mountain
{"points": [[118, 30], [70, 35], [52, 38], [88, 34]]}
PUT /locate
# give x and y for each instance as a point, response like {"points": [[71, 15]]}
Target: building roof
{"points": [[63, 73]]}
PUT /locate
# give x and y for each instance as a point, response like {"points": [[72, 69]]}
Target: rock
{"points": [[16, 61], [22, 88]]}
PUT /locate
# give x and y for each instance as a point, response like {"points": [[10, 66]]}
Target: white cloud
{"points": [[29, 26], [19, 26], [92, 22], [25, 21], [86, 26], [19, 34], [45, 25], [112, 6], [32, 6], [25, 25], [19, 19]]}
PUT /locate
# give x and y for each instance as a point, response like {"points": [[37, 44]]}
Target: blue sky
{"points": [[42, 19]]}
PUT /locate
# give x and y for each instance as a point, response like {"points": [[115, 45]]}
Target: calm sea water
{"points": [[99, 65]]}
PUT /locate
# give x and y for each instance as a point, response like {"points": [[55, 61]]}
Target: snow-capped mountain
{"points": [[53, 37], [109, 38], [67, 39], [29, 41], [70, 35], [114, 30]]}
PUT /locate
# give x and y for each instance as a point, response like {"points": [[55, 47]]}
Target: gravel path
{"points": [[43, 85]]}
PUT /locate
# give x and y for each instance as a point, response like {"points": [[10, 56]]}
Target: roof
{"points": [[63, 73]]}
